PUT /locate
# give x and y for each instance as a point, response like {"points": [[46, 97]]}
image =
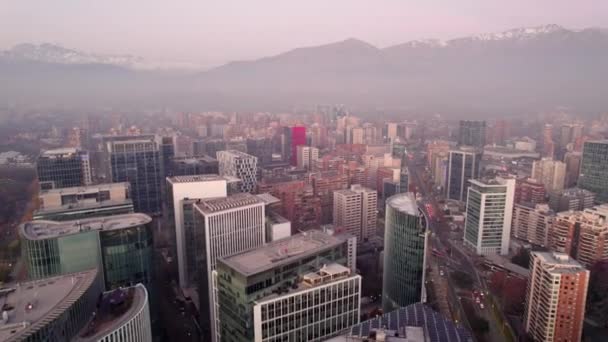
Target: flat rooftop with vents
{"points": [[282, 252], [216, 205], [43, 229]]}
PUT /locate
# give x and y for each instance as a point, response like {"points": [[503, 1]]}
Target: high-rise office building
{"points": [[122, 315], [306, 156], [582, 234], [302, 288], [63, 168], [120, 245], [180, 189], [261, 148], [405, 243], [555, 298], [51, 309], [355, 211], [166, 147], [240, 165], [571, 199], [552, 173], [487, 227], [548, 143], [472, 133], [292, 138], [532, 223], [594, 168], [199, 165], [463, 165], [66, 204], [136, 159], [225, 226]]}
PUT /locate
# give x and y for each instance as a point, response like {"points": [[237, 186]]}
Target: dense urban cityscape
{"points": [[250, 172], [306, 227]]}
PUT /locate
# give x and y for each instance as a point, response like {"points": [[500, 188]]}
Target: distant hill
{"points": [[500, 73]]}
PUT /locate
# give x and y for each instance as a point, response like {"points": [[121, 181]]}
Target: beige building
{"points": [[555, 298], [306, 156], [552, 173], [532, 223], [355, 211], [582, 234]]}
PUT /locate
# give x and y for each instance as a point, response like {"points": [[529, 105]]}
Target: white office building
{"points": [[306, 156], [489, 212], [552, 173], [241, 165], [228, 226], [179, 189]]}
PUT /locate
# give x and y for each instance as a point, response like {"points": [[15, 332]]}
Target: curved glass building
{"points": [[405, 239], [120, 245]]}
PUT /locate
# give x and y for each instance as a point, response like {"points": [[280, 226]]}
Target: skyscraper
{"points": [[573, 167], [295, 136], [355, 211], [240, 165], [571, 199], [487, 228], [472, 133], [136, 159], [405, 241], [555, 298], [179, 189], [552, 173], [226, 226], [463, 165], [302, 288], [63, 168], [594, 168]]}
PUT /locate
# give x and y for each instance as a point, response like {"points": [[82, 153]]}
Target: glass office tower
{"points": [[405, 239], [62, 168], [594, 169], [120, 245]]}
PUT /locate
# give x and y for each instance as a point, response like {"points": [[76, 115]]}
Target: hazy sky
{"points": [[210, 32]]}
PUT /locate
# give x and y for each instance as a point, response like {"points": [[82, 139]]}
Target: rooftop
{"points": [[116, 308], [268, 198], [43, 229], [59, 152], [32, 305], [436, 327], [404, 202], [202, 178], [559, 262], [84, 189], [274, 217], [576, 192], [281, 252], [235, 153], [215, 205], [80, 206]]}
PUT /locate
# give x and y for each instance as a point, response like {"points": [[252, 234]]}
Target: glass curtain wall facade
{"points": [[60, 171], [138, 162], [594, 169], [405, 239]]}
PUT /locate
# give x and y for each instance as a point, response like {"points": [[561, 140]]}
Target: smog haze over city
{"points": [[344, 170]]}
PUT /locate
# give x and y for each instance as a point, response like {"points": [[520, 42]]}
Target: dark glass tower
{"points": [[472, 133], [594, 169], [405, 239], [463, 164], [136, 159], [63, 168]]}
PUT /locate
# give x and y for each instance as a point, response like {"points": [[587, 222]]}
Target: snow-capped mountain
{"points": [[521, 33], [50, 53]]}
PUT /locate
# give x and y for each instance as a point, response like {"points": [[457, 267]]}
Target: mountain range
{"points": [[518, 70]]}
